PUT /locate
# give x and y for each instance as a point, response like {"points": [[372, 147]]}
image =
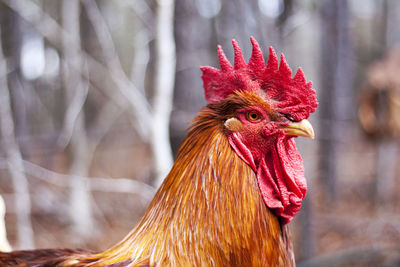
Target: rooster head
{"points": [[262, 108]]}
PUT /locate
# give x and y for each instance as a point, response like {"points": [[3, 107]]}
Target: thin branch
{"points": [[122, 185], [74, 107], [141, 57], [102, 125], [99, 184], [103, 34]]}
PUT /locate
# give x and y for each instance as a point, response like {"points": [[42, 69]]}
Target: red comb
{"points": [[293, 96]]}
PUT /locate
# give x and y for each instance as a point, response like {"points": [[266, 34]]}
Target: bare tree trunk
{"points": [[190, 48], [15, 165], [76, 91], [19, 95], [387, 147], [393, 20], [386, 172], [337, 97], [4, 245], [164, 88], [308, 233]]}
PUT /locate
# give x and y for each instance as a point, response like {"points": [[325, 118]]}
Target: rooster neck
{"points": [[208, 212]]}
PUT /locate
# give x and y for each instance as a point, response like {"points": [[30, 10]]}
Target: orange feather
{"points": [[208, 211]]}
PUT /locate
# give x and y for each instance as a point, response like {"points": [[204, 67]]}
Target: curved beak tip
{"points": [[302, 128]]}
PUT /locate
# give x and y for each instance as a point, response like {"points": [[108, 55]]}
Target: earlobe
{"points": [[233, 124]]}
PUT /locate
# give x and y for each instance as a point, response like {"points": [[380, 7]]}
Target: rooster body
{"points": [[236, 183]]}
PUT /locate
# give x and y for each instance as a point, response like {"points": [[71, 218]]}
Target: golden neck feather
{"points": [[208, 211]]}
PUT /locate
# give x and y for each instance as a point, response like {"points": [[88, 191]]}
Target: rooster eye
{"points": [[253, 116]]}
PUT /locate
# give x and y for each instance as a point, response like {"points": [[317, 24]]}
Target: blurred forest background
{"points": [[95, 97]]}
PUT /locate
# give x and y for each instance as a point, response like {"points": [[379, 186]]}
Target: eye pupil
{"points": [[253, 116]]}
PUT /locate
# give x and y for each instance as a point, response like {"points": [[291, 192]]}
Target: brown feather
{"points": [[41, 257]]}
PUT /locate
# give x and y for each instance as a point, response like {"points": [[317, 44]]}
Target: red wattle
{"points": [[280, 173]]}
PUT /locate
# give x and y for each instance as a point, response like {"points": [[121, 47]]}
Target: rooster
{"points": [[237, 182]]}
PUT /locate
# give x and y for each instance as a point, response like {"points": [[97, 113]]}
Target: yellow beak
{"points": [[301, 128]]}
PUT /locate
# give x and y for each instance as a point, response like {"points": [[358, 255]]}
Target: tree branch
{"points": [[99, 184], [74, 107], [164, 88]]}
